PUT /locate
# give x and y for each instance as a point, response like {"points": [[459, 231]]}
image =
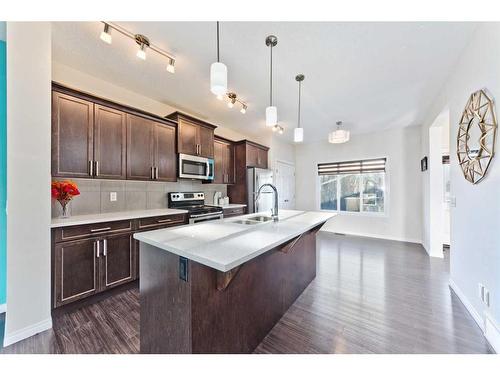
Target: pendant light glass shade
{"points": [[298, 135], [271, 116], [218, 78], [339, 136]]}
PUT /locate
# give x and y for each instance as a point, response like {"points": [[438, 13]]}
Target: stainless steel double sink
{"points": [[253, 220]]}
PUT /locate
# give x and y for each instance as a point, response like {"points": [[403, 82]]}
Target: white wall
{"points": [[475, 221], [28, 179], [402, 149]]}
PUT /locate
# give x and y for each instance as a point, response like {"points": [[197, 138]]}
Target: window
{"points": [[353, 186]]}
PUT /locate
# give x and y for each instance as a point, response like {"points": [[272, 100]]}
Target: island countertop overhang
{"points": [[225, 244]]}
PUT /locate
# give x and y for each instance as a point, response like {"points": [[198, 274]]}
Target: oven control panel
{"points": [[182, 197]]}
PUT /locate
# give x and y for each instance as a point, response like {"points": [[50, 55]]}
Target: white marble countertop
{"points": [[233, 205], [112, 216], [225, 244]]}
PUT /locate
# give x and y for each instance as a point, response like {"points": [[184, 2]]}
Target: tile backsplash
{"points": [[130, 195]]}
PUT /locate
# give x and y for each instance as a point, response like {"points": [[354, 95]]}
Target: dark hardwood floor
{"points": [[369, 296]]}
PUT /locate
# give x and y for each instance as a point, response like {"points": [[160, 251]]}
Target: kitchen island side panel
{"points": [[165, 303]]}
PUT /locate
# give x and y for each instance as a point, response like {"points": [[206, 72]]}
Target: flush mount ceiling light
{"points": [[298, 133], [106, 34], [339, 135], [271, 111], [142, 40], [218, 73], [232, 100]]}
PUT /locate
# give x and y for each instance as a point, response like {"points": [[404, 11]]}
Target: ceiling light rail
{"points": [[142, 40], [232, 100]]}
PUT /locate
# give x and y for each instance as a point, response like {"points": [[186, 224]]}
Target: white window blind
{"points": [[352, 167]]}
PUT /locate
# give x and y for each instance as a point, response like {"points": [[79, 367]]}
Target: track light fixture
{"points": [[106, 34], [142, 40], [279, 129], [232, 100]]}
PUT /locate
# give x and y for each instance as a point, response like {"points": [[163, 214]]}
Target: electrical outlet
{"points": [[112, 196]]}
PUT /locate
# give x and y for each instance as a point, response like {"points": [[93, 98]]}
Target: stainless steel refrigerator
{"points": [[256, 177]]}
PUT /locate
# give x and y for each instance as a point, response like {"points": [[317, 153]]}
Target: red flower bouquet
{"points": [[64, 192]]}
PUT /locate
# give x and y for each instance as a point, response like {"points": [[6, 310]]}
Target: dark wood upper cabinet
{"points": [[224, 161], [187, 139], [256, 155], [96, 138], [139, 148], [165, 159], [194, 137], [72, 134], [206, 141], [110, 138]]}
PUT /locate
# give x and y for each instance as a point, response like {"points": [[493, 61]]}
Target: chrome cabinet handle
{"points": [[96, 168], [105, 242], [96, 244], [157, 173], [152, 173], [91, 167], [200, 149], [164, 221], [100, 229]]}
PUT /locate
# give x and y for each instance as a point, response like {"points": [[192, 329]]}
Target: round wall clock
{"points": [[476, 136]]}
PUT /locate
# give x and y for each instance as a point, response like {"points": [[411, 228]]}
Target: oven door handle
{"points": [[205, 215]]}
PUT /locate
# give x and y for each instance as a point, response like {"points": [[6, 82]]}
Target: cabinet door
{"points": [[219, 162], [229, 159], [72, 127], [206, 142], [252, 156], [187, 141], [110, 137], [75, 271], [164, 149], [261, 158], [117, 260], [139, 148]]}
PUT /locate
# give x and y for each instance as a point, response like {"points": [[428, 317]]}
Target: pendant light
{"points": [[271, 111], [298, 133], [218, 73], [339, 135]]}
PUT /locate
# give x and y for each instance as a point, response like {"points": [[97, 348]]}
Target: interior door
{"points": [[188, 137], [164, 149], [75, 271], [110, 137], [117, 264], [284, 175], [72, 128], [139, 148]]}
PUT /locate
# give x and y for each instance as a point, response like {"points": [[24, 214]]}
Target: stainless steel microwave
{"points": [[196, 167]]}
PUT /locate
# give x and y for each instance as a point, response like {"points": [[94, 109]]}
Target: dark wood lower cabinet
{"points": [[107, 257], [217, 312], [76, 271]]}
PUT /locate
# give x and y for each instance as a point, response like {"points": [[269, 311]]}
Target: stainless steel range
{"points": [[194, 203]]}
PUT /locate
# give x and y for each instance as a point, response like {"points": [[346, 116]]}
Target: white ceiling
{"points": [[370, 75]]}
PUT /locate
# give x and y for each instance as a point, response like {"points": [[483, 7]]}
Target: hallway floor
{"points": [[369, 296]]}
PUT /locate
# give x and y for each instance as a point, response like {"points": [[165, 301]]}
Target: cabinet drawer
{"points": [[228, 212], [161, 221], [83, 231]]}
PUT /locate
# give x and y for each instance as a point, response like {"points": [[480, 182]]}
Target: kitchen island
{"points": [[220, 286]]}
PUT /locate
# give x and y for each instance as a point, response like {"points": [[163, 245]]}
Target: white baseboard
{"points": [[3, 308], [492, 332], [477, 317], [380, 237], [27, 332]]}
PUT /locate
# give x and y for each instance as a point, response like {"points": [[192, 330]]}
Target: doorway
{"points": [[284, 178]]}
